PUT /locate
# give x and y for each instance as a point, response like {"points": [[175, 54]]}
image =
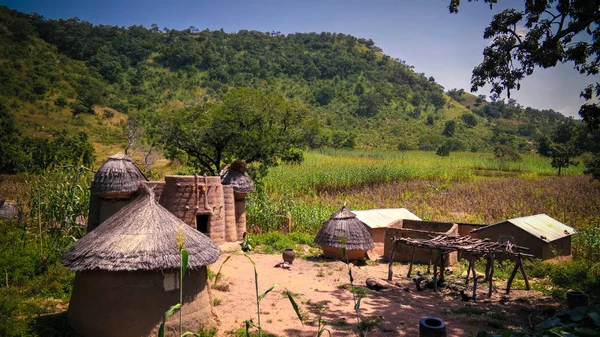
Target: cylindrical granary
{"points": [[197, 201], [240, 214], [230, 226]]}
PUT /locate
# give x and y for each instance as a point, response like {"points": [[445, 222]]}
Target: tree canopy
{"points": [[565, 31], [248, 124]]}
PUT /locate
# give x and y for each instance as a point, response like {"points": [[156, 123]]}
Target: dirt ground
{"points": [[393, 311]]}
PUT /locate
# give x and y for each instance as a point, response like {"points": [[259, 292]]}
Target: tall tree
{"points": [[565, 31], [248, 124]]}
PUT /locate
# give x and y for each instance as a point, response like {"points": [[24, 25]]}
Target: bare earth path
{"points": [[316, 280]]}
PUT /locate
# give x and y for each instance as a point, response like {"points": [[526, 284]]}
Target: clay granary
{"points": [[215, 206]]}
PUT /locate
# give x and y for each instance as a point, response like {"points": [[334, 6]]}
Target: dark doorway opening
{"points": [[202, 223]]}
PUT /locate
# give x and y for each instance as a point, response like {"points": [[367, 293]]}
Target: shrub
{"points": [[449, 128], [469, 120], [61, 101], [443, 150]]}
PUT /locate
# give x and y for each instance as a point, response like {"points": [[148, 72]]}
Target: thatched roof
{"points": [[140, 236], [118, 174], [344, 224], [236, 175]]}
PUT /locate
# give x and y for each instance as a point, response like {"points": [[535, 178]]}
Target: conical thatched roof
{"points": [[236, 175], [140, 236], [344, 224], [118, 174]]}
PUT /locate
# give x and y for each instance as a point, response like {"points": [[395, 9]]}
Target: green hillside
{"points": [[71, 74]]}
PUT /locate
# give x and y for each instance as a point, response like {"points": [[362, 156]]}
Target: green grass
{"points": [[342, 170]]}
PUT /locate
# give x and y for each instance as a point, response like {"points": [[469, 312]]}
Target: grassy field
{"points": [[333, 171]]}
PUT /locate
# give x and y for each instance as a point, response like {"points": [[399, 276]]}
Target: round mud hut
{"points": [[344, 229], [127, 274], [114, 186], [236, 176]]}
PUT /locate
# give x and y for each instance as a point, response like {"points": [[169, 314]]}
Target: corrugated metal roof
{"points": [[541, 226], [383, 217]]}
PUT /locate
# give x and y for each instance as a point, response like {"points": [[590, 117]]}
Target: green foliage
{"points": [[277, 242], [449, 128], [249, 124], [443, 150], [469, 120], [504, 152]]}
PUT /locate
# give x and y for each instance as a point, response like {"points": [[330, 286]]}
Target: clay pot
{"points": [[289, 255], [576, 299], [432, 327]]}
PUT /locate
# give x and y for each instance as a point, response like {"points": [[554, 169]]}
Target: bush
{"points": [[277, 242], [443, 150], [449, 128], [61, 101], [469, 119]]}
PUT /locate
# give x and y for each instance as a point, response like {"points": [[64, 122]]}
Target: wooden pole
{"points": [[392, 252], [469, 270], [435, 276], [523, 272], [512, 276], [491, 274], [412, 260], [487, 267], [474, 280], [442, 266], [429, 264]]}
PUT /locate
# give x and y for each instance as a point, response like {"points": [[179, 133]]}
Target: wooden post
{"points": [[512, 276], [392, 252], [474, 280], [442, 266], [491, 274], [435, 276], [429, 264], [469, 270], [523, 272], [487, 266], [412, 260]]}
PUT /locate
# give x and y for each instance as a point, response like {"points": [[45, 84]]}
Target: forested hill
{"points": [[70, 73]]}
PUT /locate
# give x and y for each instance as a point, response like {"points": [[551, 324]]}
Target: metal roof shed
{"points": [[546, 237]]}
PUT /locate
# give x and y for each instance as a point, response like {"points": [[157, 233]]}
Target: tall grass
{"points": [[333, 171]]}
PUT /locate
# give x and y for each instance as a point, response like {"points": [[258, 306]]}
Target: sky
{"points": [[420, 32]]}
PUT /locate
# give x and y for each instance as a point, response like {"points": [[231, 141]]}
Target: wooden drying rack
{"points": [[445, 244]]}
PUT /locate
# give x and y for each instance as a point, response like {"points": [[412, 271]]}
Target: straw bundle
{"points": [[344, 225], [117, 175], [140, 236]]}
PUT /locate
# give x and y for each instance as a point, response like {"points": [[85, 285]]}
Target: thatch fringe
{"points": [[118, 174], [344, 226], [140, 236]]}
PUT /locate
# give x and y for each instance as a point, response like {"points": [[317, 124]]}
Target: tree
{"points": [[469, 120], [449, 128], [562, 147], [557, 31], [248, 124], [443, 150], [506, 153], [12, 157]]}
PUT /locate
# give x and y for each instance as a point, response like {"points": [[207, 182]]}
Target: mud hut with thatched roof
{"points": [[127, 273], [236, 176], [344, 229], [114, 186]]}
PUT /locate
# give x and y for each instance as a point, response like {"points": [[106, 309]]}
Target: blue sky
{"points": [[421, 32]]}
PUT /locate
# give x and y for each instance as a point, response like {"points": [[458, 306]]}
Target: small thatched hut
{"points": [[344, 226], [127, 273], [236, 176], [115, 185]]}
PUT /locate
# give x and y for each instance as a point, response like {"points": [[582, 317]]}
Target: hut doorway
{"points": [[202, 223]]}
